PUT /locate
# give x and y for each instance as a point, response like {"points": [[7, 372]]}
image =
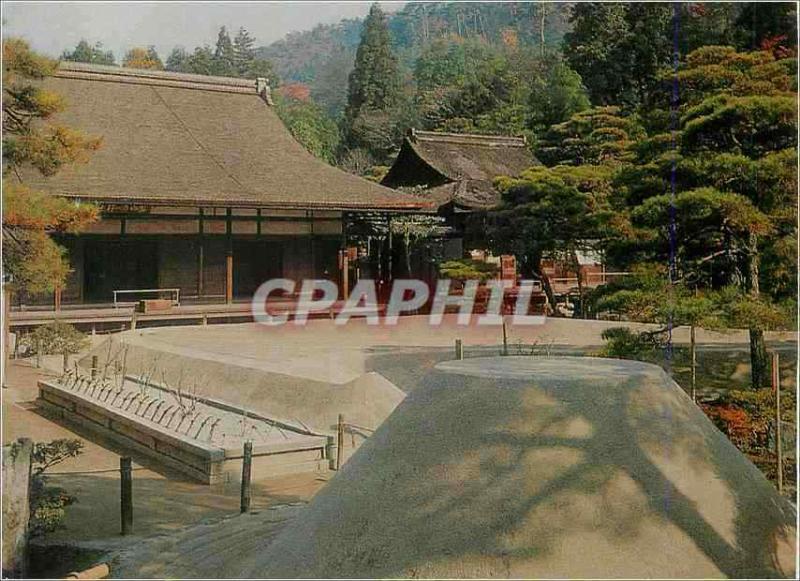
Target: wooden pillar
{"points": [[229, 260], [200, 267], [339, 441], [247, 462], [345, 262], [390, 273], [200, 256], [6, 332], [126, 495], [312, 256], [57, 298]]}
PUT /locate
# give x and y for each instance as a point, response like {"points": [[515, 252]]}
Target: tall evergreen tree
{"points": [[178, 61], [244, 52], [224, 59], [374, 83]]}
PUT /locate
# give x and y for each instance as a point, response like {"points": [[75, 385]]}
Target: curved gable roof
{"points": [[472, 157], [181, 138], [458, 168]]}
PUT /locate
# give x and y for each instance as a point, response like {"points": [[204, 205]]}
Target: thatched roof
{"points": [[458, 168], [178, 138]]}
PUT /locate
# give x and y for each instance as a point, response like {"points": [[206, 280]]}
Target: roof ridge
{"points": [[468, 138], [108, 73]]}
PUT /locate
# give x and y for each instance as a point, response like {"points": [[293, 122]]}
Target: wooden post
{"points": [[205, 319], [329, 446], [57, 298], [339, 441], [229, 260], [65, 366], [390, 266], [776, 383], [38, 353], [229, 277], [200, 265], [126, 494], [345, 275], [133, 321], [505, 338], [94, 366], [693, 349], [459, 350], [6, 331], [247, 462]]}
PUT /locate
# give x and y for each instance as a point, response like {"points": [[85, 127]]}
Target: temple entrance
{"points": [[114, 264], [255, 262]]}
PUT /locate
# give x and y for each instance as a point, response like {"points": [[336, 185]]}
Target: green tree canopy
{"points": [[86, 53], [310, 125], [718, 193]]}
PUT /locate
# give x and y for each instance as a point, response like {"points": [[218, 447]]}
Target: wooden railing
{"points": [[158, 291], [590, 280]]}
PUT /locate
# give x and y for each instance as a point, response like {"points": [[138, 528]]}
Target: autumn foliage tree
{"points": [[142, 58], [33, 262]]}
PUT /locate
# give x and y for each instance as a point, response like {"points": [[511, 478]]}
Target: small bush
{"points": [[468, 269], [622, 343], [49, 503], [54, 339]]}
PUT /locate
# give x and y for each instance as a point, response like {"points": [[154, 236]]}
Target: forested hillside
{"points": [[350, 90], [323, 57]]}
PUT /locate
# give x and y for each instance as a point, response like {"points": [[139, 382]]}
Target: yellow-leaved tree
{"points": [[32, 261]]}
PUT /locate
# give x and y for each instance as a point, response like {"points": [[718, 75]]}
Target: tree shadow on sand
{"points": [[487, 477]]}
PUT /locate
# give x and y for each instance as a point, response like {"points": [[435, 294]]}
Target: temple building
{"points": [[201, 188], [456, 171]]}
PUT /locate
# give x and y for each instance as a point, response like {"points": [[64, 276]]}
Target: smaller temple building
{"points": [[456, 171]]}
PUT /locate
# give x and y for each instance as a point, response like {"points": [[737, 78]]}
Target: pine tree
{"points": [[33, 262], [732, 214]]}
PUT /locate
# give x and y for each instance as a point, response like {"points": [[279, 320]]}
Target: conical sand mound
{"points": [[525, 467]]}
